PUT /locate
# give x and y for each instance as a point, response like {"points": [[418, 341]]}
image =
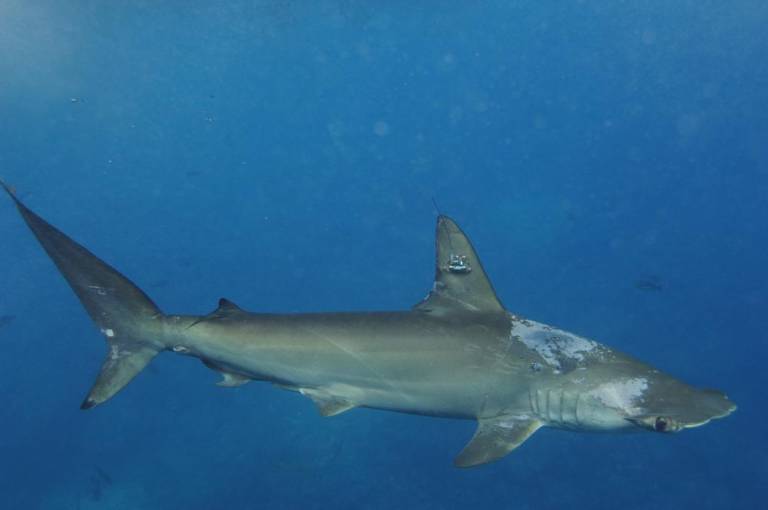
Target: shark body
{"points": [[458, 354]]}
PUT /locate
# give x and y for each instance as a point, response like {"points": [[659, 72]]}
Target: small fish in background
{"points": [[649, 283], [99, 480], [5, 320], [103, 475]]}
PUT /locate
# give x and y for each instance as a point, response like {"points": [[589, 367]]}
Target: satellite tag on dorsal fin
{"points": [[460, 281]]}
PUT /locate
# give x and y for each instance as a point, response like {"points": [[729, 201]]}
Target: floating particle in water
{"points": [[381, 128]]}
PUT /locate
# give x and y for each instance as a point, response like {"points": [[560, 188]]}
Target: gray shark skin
{"points": [[456, 354]]}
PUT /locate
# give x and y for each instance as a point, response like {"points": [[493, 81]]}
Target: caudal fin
{"points": [[127, 317]]}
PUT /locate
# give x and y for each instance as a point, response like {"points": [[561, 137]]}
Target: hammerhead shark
{"points": [[456, 354]]}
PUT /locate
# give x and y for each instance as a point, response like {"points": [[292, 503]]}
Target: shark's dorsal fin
{"points": [[460, 281], [225, 310], [496, 437], [227, 306]]}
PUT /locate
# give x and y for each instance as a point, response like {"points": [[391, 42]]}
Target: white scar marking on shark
{"points": [[554, 345], [511, 421], [469, 306], [101, 291], [622, 395], [115, 353], [110, 333]]}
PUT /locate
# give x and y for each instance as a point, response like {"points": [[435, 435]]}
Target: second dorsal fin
{"points": [[460, 281], [227, 306], [225, 310]]}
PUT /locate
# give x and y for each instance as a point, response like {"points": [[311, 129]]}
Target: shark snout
{"points": [[683, 407], [709, 405]]}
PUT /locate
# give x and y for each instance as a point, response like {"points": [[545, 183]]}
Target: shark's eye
{"points": [[660, 425]]}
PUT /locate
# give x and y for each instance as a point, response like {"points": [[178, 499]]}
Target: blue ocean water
{"points": [[608, 159]]}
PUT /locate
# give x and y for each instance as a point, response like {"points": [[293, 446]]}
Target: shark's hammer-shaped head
{"points": [[669, 405], [633, 396]]}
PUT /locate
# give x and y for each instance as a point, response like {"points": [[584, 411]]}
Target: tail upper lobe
{"points": [[127, 317]]}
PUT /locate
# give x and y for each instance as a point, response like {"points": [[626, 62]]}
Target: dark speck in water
{"points": [[649, 284], [99, 482], [6, 320]]}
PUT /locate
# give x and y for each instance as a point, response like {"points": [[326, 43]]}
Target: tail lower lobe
{"points": [[127, 317]]}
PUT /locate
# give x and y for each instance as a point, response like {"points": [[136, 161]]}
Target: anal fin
{"points": [[327, 405], [232, 380], [496, 437], [229, 379]]}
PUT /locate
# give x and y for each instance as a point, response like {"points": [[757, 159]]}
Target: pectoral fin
{"points": [[495, 438]]}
